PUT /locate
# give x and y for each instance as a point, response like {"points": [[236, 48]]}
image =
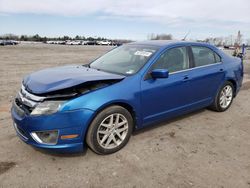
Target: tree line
{"points": [[38, 38]]}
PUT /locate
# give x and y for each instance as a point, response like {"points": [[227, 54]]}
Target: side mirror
{"points": [[160, 73]]}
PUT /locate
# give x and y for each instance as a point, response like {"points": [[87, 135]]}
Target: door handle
{"points": [[221, 70], [185, 78]]}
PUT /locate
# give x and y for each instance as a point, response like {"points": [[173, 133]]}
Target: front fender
{"points": [[114, 94]]}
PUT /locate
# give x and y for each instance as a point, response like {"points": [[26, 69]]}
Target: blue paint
{"points": [[152, 100]]}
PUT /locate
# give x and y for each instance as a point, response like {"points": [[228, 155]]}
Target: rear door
{"points": [[206, 75]]}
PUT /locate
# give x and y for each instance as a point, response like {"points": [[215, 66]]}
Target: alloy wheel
{"points": [[226, 96], [112, 131]]}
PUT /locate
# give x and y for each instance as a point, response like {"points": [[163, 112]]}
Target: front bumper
{"points": [[67, 123]]}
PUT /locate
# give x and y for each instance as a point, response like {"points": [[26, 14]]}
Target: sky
{"points": [[125, 19]]}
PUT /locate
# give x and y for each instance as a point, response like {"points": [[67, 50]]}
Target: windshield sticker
{"points": [[130, 72], [143, 53]]}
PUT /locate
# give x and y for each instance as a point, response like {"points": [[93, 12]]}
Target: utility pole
{"points": [[239, 38]]}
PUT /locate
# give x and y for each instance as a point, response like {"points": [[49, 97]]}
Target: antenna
{"points": [[186, 36]]}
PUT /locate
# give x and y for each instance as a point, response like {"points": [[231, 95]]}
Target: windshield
{"points": [[126, 59]]}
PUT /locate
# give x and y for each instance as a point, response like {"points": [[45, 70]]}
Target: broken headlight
{"points": [[47, 107]]}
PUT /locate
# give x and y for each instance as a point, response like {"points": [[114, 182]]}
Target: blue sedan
{"points": [[99, 105]]}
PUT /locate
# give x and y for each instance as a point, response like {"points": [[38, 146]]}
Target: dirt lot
{"points": [[202, 149]]}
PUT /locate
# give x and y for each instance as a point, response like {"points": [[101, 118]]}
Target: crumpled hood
{"points": [[53, 79]]}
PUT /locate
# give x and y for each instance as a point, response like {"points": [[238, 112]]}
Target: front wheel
{"points": [[110, 130], [224, 98]]}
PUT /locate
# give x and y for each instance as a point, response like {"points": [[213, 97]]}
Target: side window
{"points": [[175, 59], [204, 56], [217, 58]]}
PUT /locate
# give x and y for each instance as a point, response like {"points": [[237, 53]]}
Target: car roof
{"points": [[165, 43]]}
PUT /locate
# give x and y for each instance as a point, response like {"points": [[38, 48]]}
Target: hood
{"points": [[53, 79]]}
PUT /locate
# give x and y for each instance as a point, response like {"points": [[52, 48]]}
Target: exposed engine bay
{"points": [[26, 101]]}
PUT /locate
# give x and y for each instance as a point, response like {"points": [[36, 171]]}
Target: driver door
{"points": [[166, 97]]}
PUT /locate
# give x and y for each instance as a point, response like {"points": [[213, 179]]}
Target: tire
{"points": [[104, 137], [218, 105]]}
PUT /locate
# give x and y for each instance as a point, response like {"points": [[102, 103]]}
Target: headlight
{"points": [[47, 107]]}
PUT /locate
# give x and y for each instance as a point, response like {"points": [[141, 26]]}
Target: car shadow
{"points": [[136, 132], [61, 154], [166, 122]]}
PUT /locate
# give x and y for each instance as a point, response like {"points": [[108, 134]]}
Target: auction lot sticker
{"points": [[143, 53]]}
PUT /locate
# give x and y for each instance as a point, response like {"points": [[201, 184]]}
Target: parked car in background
{"points": [[84, 42], [62, 42], [50, 42], [13, 42], [131, 87], [8, 42], [2, 43], [117, 44], [91, 42], [73, 42], [104, 43]]}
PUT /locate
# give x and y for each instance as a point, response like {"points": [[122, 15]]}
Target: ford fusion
{"points": [[68, 108]]}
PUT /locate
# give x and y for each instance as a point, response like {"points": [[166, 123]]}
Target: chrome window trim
{"points": [[171, 73], [195, 68]]}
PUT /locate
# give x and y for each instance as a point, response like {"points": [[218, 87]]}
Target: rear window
{"points": [[217, 58], [204, 56]]}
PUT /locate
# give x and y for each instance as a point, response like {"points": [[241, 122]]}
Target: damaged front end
{"points": [[27, 103], [37, 111]]}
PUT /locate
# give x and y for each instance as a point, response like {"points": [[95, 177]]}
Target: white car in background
{"points": [[104, 42], [72, 42]]}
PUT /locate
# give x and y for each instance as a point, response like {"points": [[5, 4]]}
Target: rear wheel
{"points": [[110, 130], [224, 98]]}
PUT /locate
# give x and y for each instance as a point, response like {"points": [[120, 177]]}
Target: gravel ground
{"points": [[201, 149]]}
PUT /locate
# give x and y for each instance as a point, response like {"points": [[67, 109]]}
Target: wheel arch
{"points": [[232, 81], [123, 104]]}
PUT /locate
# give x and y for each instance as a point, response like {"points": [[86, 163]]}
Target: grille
{"points": [[20, 112], [27, 109], [25, 102]]}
